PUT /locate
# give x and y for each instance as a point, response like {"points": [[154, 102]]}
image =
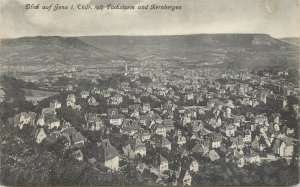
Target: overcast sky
{"points": [[279, 18]]}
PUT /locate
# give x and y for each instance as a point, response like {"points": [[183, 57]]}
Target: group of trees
{"points": [[15, 101], [23, 162], [13, 87], [112, 81], [74, 117], [268, 173]]}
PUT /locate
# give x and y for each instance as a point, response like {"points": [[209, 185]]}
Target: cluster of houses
{"points": [[193, 125]]}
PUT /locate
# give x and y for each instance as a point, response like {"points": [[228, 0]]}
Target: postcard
{"points": [[149, 92]]}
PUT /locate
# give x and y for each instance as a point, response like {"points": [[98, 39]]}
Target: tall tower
{"points": [[126, 69]]}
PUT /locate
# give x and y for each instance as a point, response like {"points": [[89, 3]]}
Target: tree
{"points": [[32, 169], [72, 171], [75, 118]]}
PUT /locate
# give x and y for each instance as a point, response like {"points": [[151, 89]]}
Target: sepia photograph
{"points": [[149, 92]]}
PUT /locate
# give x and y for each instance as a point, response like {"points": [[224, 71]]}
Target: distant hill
{"points": [[292, 41], [197, 40], [231, 50], [53, 49], [235, 50]]}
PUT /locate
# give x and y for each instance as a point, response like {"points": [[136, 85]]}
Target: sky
{"points": [[279, 18]]}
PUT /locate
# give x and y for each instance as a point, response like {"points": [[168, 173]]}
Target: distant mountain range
{"points": [[233, 50]]}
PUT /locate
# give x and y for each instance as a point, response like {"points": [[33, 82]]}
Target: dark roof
{"points": [[106, 151], [168, 122], [69, 131], [160, 140], [216, 137], [77, 137], [198, 149], [135, 143], [162, 159], [51, 119], [50, 140]]}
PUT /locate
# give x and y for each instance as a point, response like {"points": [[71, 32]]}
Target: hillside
{"points": [[235, 50], [210, 40], [292, 41], [50, 50], [231, 50]]}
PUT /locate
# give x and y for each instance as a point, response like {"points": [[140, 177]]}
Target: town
{"points": [[151, 124]]}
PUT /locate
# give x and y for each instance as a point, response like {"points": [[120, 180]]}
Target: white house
{"points": [[163, 164], [181, 140], [116, 119], [194, 166], [252, 157], [247, 136], [160, 130]]}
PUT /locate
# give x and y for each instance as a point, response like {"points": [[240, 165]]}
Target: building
{"points": [[71, 99], [213, 155], [228, 130], [134, 147], [162, 164], [194, 165], [283, 148], [252, 157], [39, 135], [55, 104], [159, 129], [24, 118], [185, 179], [52, 122], [116, 119], [160, 141], [115, 100], [216, 140], [108, 154], [92, 101]]}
